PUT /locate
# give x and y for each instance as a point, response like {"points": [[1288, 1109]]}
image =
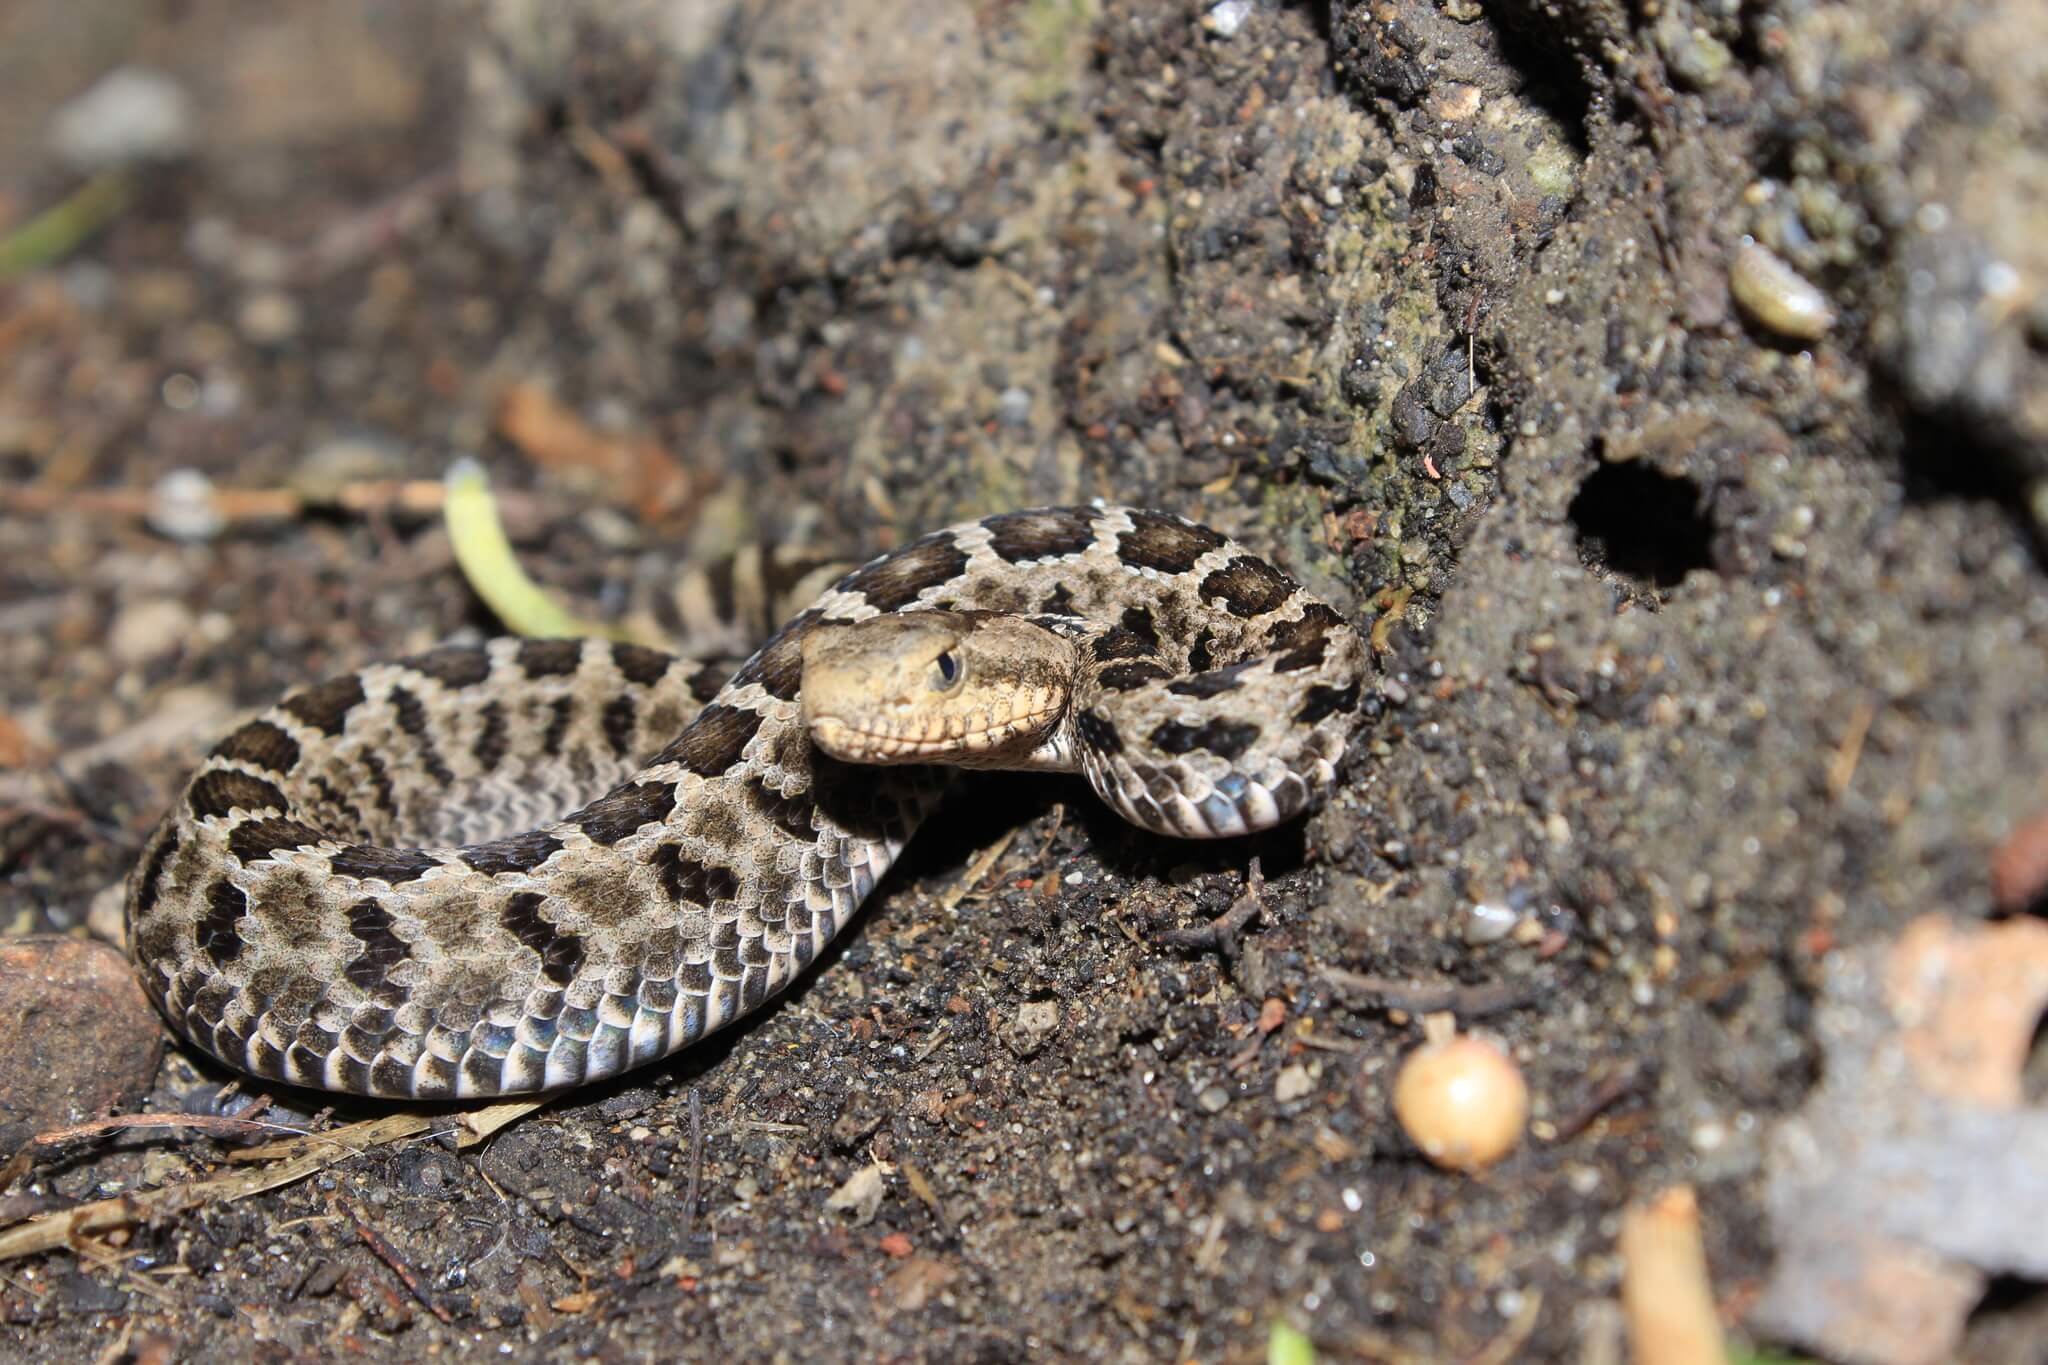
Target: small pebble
{"points": [[131, 114], [1487, 922], [1693, 55], [1226, 19], [1292, 1083], [181, 506], [1214, 1100], [1455, 101], [148, 629], [268, 318], [107, 919], [1036, 1023], [1462, 1101]]}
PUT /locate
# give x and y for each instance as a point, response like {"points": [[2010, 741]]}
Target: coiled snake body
{"points": [[372, 888]]}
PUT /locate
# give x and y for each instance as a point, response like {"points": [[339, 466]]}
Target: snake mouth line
{"points": [[834, 732]]}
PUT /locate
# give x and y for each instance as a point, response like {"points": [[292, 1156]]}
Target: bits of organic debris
{"points": [[1665, 1291], [1221, 933], [861, 1193], [915, 1283], [185, 505], [1461, 1100], [1776, 296], [634, 471]]}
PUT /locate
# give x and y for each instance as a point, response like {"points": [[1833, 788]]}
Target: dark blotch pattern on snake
{"points": [[528, 865]]}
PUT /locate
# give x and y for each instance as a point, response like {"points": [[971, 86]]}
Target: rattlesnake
{"points": [[371, 887]]}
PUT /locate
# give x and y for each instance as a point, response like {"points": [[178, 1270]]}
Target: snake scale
{"points": [[373, 887]]}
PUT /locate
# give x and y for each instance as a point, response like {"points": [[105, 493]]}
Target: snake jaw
{"points": [[1006, 736], [871, 693]]}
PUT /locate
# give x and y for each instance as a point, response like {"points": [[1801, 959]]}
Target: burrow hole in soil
{"points": [[1645, 526]]}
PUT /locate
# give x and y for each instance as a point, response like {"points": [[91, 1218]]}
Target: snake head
{"points": [[974, 689]]}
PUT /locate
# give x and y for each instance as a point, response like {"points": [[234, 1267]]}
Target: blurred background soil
{"points": [[1662, 384]]}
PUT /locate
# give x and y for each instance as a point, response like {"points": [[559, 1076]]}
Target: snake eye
{"points": [[945, 671]]}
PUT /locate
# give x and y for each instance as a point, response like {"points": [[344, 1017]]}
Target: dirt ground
{"points": [[1706, 588]]}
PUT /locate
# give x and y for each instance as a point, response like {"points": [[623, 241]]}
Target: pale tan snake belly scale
{"points": [[373, 887]]}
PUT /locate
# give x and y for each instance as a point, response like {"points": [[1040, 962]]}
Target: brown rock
{"points": [[77, 1037]]}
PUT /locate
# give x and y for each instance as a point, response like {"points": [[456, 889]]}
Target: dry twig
{"points": [[1221, 933], [388, 1254], [300, 1157], [1421, 997]]}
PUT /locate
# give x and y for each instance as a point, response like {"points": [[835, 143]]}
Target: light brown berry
{"points": [[1462, 1102]]}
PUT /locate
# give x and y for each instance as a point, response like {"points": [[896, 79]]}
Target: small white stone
{"points": [[1040, 1016], [268, 317], [1292, 1083], [1226, 19], [181, 506], [147, 629], [180, 392], [130, 114], [1999, 281], [1488, 922]]}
